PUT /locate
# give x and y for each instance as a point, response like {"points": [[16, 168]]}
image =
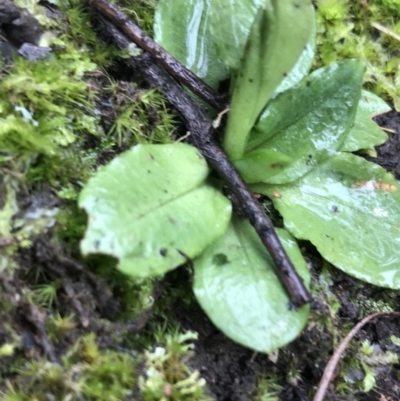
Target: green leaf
{"points": [[278, 37], [236, 285], [311, 120], [302, 66], [230, 25], [350, 210], [152, 208], [261, 164], [185, 35], [366, 133]]}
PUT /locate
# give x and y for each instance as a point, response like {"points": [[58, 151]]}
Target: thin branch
{"points": [[385, 30], [169, 63], [335, 358], [201, 128]]}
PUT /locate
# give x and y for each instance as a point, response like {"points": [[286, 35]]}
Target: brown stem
{"points": [[169, 63], [201, 128]]}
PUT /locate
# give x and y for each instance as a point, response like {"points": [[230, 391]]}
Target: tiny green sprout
{"points": [[343, 388], [58, 326], [395, 340], [13, 394], [7, 349], [85, 349], [268, 389], [367, 348], [46, 294], [293, 377], [142, 116], [369, 380]]}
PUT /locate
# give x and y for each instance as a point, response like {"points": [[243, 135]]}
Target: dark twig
{"points": [[335, 358], [201, 128], [169, 63]]}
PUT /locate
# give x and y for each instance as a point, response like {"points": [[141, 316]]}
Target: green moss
{"points": [[268, 389], [54, 126], [142, 12], [61, 118], [85, 373], [345, 30], [167, 375]]}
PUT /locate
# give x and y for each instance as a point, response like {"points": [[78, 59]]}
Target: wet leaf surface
{"points": [[277, 38], [237, 287], [261, 164], [302, 66], [366, 133], [322, 109], [152, 208], [350, 210], [185, 35], [231, 21]]}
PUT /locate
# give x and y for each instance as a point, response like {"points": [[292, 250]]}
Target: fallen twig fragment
{"points": [[335, 358], [202, 133], [173, 66], [385, 30]]}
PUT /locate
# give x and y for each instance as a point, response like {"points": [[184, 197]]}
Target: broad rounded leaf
{"points": [[350, 210], [311, 120], [277, 38], [236, 285], [261, 164], [152, 208], [366, 134], [182, 28]]}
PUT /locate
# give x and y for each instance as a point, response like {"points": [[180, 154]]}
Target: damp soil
{"points": [[231, 371]]}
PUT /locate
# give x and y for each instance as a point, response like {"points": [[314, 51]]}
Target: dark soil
{"points": [[232, 372]]}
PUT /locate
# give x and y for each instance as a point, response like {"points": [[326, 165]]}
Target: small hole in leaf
{"points": [[163, 252]]}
